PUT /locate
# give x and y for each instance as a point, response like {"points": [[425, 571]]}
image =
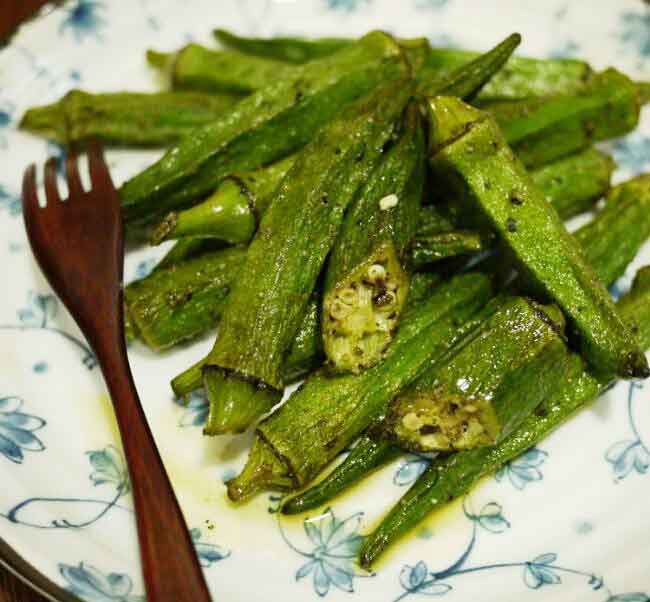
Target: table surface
{"points": [[13, 12]]}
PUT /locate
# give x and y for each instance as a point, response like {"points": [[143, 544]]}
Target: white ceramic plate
{"points": [[568, 520]]}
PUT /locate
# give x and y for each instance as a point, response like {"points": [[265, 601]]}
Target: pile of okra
{"points": [[384, 220]]}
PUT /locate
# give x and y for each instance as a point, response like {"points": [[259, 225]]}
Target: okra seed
{"points": [[349, 296], [337, 151], [515, 200], [511, 224], [384, 299], [325, 199], [376, 272], [338, 310]]}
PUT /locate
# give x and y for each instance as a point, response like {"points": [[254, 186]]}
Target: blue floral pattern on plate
{"points": [[17, 430], [525, 469], [84, 19], [91, 585]]}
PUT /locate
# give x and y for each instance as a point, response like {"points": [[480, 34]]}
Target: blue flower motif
{"points": [[109, 467], [525, 469], [539, 571], [6, 113], [633, 153], [84, 19], [626, 456], [336, 544], [92, 585], [10, 202], [347, 5], [410, 469], [489, 518], [17, 430], [636, 32], [196, 409], [630, 597], [419, 580], [208, 553], [144, 268], [434, 4], [40, 309]]}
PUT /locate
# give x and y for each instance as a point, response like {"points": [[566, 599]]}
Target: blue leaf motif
{"points": [[109, 467], [83, 19], [144, 268], [346, 5], [17, 430], [418, 580], [626, 456], [523, 470], [207, 553], [636, 32], [630, 597], [491, 518], [633, 152], [196, 409], [40, 309], [539, 572], [410, 470], [92, 585], [10, 202]]}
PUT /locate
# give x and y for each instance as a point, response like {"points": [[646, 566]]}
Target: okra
{"points": [[574, 184], [195, 67], [180, 302], [431, 248], [126, 118], [450, 477], [367, 455], [287, 254], [543, 130], [330, 412], [231, 213], [289, 49], [612, 240], [367, 280], [306, 351], [490, 383], [615, 228], [522, 77], [262, 128], [470, 152]]}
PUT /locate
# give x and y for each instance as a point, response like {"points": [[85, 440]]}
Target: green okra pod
{"points": [[450, 477], [543, 130], [367, 277], [469, 152], [430, 248], [287, 254], [574, 184], [612, 240], [330, 412], [490, 383], [264, 127], [289, 49], [231, 213], [125, 118], [178, 303], [367, 455], [195, 67]]}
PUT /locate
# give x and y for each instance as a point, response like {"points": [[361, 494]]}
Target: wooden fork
{"points": [[78, 244]]}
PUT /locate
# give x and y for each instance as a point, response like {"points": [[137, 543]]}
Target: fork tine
{"points": [[30, 196], [99, 174], [75, 187], [51, 186]]}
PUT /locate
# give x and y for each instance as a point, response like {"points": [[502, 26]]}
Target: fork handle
{"points": [[169, 564]]}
